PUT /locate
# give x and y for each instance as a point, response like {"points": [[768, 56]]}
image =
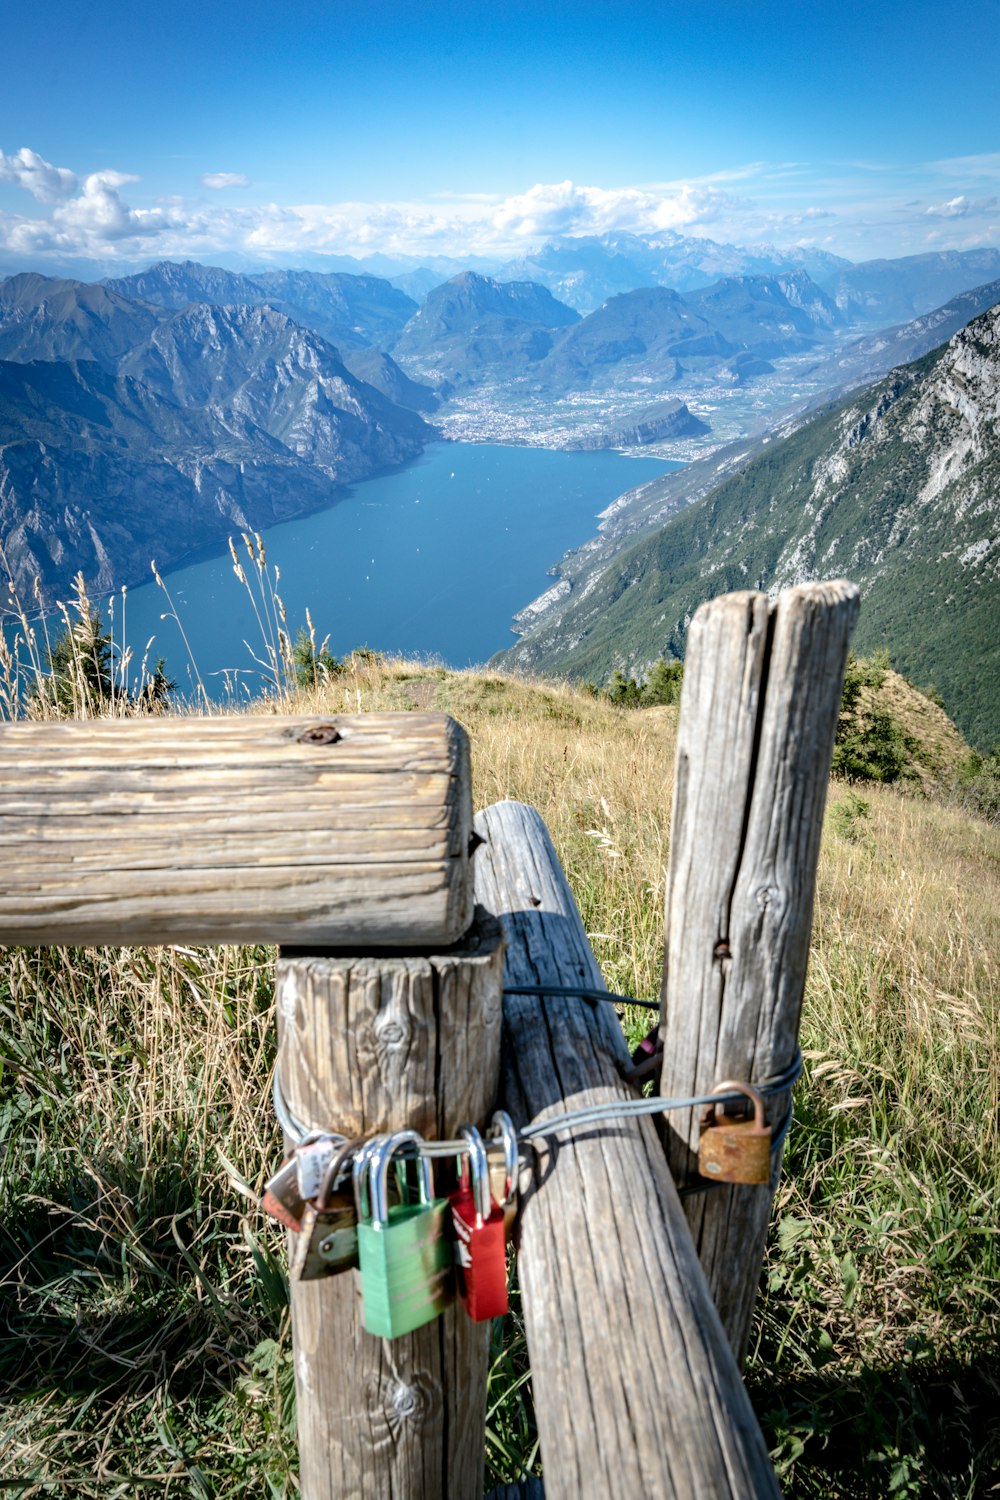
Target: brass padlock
{"points": [[735, 1150]]}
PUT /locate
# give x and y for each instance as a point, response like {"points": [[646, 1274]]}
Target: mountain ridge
{"points": [[898, 487]]}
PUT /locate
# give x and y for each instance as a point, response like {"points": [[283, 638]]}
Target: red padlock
{"points": [[480, 1241]]}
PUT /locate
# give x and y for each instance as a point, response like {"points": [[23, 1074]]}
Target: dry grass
{"points": [[144, 1343]]}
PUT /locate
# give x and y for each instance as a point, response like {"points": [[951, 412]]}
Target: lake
{"points": [[433, 559]]}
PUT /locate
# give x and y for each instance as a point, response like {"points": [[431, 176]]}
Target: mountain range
{"points": [[152, 414], [130, 432], [475, 329], [897, 487]]}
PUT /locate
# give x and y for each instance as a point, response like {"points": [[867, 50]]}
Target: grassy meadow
{"points": [[144, 1339]]}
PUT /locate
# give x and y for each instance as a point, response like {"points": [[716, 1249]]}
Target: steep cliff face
{"points": [[897, 488], [213, 418]]}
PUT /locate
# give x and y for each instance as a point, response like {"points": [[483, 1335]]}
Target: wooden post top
{"points": [[308, 831]]}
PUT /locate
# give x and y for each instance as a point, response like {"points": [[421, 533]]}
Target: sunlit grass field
{"points": [[144, 1340]]}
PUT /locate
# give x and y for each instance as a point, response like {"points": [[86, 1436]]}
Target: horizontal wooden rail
{"points": [[347, 831], [636, 1389]]}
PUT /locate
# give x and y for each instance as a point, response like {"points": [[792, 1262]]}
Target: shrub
{"points": [[871, 745], [663, 685], [977, 785]]}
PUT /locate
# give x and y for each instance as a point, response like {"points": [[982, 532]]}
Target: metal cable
{"points": [[593, 1114], [578, 991]]}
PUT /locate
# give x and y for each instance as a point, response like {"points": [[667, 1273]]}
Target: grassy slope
{"points": [[145, 1342]]}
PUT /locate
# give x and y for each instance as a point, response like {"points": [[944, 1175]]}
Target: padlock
{"points": [[404, 1252], [311, 1159], [735, 1150], [298, 1178], [503, 1168], [328, 1241], [282, 1199], [480, 1241]]}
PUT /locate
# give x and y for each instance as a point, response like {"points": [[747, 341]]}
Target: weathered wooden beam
{"points": [[299, 830], [762, 685], [369, 1044], [636, 1390]]}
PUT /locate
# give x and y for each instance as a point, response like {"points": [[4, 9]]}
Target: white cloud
{"points": [[859, 214], [100, 214], [224, 179], [45, 182], [960, 207], [564, 208]]}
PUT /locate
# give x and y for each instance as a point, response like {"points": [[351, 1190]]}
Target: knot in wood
{"points": [[391, 1033], [320, 734], [413, 1401]]}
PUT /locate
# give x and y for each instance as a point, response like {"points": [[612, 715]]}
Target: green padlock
{"points": [[404, 1254]]}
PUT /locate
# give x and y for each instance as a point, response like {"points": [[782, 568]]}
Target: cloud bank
{"points": [[855, 209]]}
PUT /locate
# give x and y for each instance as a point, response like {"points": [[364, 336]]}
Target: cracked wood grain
{"points": [[239, 829], [368, 1044], [762, 685]]}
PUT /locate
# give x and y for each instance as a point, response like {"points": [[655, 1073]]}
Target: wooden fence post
{"points": [[636, 1390], [368, 1044], [762, 686]]}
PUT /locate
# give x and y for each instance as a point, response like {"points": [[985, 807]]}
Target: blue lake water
{"points": [[433, 559]]}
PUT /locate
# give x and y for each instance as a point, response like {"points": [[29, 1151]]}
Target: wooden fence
{"points": [[349, 842]]}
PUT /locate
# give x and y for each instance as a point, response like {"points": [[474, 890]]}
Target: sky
{"points": [[238, 135]]}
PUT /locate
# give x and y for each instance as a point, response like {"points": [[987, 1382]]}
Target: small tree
{"points": [[871, 745], [312, 664], [84, 681]]}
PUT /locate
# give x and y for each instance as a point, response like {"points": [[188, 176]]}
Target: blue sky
{"points": [[237, 133]]}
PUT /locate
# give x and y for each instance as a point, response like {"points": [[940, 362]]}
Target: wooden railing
{"points": [[347, 841]]}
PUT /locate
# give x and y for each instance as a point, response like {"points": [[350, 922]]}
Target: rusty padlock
{"points": [[735, 1150], [328, 1239]]}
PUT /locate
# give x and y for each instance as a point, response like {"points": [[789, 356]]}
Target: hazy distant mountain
{"points": [[587, 270], [353, 311], [883, 292], [43, 317], [897, 487], [417, 283], [867, 358], [767, 315], [645, 333], [473, 326], [348, 310], [175, 284]]}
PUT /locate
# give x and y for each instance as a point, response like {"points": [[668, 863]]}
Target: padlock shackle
{"points": [[503, 1125], [732, 1086], [359, 1174], [479, 1172], [334, 1172], [381, 1160]]}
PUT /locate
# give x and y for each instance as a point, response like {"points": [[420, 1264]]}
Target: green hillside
{"points": [[897, 487]]}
